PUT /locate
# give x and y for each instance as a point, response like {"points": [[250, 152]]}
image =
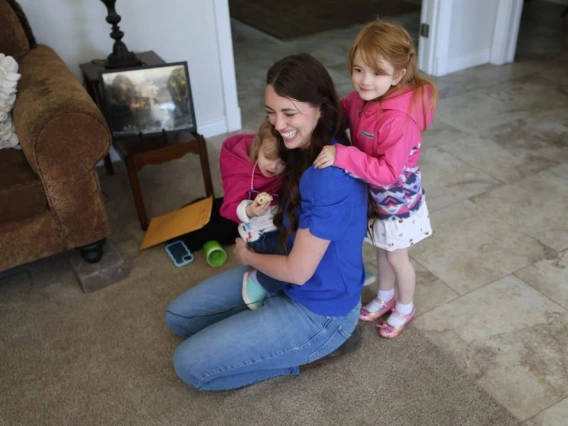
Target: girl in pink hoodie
{"points": [[251, 166], [245, 172], [393, 103]]}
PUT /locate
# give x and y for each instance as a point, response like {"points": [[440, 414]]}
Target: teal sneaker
{"points": [[253, 293], [370, 278]]}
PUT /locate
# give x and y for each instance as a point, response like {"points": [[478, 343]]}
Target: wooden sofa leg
{"points": [[92, 253]]}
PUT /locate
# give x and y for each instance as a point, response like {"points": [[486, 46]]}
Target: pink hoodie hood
{"points": [[404, 102], [236, 173], [234, 158]]}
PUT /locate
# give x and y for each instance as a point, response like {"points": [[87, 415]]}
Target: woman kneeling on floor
{"points": [[322, 217]]}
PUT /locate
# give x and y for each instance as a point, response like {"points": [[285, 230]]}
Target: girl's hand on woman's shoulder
{"points": [[326, 157], [241, 250]]}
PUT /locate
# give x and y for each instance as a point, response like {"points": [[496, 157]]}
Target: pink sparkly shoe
{"points": [[386, 307], [390, 332]]}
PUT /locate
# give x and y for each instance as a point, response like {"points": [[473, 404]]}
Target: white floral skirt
{"points": [[398, 234]]}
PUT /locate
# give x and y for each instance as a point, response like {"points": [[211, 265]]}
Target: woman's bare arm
{"points": [[297, 267]]}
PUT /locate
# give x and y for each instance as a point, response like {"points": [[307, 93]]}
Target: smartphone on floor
{"points": [[179, 253]]}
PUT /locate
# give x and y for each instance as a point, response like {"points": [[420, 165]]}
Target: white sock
{"points": [[405, 309], [384, 295]]}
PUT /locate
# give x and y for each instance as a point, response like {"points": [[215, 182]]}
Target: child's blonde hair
{"points": [[264, 134], [381, 40]]}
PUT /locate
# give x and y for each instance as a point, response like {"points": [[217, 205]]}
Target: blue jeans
{"points": [[228, 346], [268, 243]]}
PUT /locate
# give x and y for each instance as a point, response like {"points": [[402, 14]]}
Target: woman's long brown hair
{"points": [[303, 78]]}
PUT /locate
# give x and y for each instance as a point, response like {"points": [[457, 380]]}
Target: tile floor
{"points": [[493, 278]]}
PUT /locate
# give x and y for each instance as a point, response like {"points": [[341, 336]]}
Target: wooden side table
{"points": [[139, 152]]}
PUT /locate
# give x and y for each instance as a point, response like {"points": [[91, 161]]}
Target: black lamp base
{"points": [[120, 57], [122, 60]]}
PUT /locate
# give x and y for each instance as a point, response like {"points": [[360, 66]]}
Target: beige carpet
{"points": [[290, 19], [105, 358]]}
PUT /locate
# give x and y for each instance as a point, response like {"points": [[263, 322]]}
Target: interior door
{"points": [[459, 34]]}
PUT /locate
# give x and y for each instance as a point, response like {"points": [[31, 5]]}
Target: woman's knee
{"points": [[177, 324], [172, 322], [189, 368]]}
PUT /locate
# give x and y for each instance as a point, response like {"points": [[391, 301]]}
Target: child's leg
{"points": [[269, 243], [257, 285], [399, 262], [386, 272], [406, 280], [385, 300], [253, 293]]}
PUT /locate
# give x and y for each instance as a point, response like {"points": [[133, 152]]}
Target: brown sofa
{"points": [[50, 198]]}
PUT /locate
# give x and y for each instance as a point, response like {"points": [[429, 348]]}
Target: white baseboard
{"points": [[230, 123], [465, 61], [213, 127], [234, 122], [114, 157]]}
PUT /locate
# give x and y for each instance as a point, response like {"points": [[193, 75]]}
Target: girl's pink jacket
{"points": [[386, 136]]}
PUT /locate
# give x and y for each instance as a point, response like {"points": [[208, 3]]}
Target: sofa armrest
{"points": [[63, 135], [60, 128]]}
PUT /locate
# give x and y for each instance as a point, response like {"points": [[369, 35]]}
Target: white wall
{"points": [[471, 30], [196, 31], [472, 25], [467, 33]]}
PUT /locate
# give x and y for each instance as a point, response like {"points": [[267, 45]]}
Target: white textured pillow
{"points": [[8, 81]]}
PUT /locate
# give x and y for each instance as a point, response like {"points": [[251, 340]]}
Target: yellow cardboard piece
{"points": [[179, 222]]}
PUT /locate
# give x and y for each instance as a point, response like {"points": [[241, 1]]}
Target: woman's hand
{"points": [[326, 157], [241, 250]]}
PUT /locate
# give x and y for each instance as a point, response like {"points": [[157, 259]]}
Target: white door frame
{"points": [[227, 65], [506, 31], [433, 51]]}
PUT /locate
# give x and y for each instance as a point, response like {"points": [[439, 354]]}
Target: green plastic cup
{"points": [[214, 253]]}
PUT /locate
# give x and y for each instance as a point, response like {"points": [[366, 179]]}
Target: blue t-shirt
{"points": [[334, 207]]}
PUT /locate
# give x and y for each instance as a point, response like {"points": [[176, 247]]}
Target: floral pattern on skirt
{"points": [[395, 234]]}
